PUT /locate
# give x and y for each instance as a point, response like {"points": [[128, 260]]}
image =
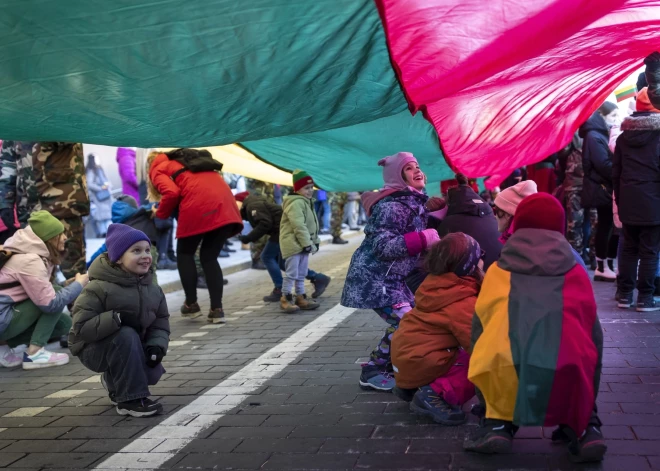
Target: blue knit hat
{"points": [[120, 238]]}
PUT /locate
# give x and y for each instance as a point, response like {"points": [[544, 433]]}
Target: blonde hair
{"points": [[153, 195], [54, 255]]}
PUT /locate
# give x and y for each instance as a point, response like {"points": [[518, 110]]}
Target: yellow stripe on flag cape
{"points": [[626, 92], [236, 159]]}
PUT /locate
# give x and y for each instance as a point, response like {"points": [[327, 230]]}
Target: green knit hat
{"points": [[301, 179], [45, 225]]}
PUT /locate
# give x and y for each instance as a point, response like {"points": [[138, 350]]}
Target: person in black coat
{"points": [[636, 177], [467, 212], [265, 217], [597, 186]]}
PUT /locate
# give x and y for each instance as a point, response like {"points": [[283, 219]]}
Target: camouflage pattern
{"points": [[268, 190], [337, 203], [74, 257], [17, 181], [574, 219], [43, 175]]}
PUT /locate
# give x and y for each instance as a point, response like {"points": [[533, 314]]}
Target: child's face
{"points": [[307, 191], [137, 259], [413, 176]]}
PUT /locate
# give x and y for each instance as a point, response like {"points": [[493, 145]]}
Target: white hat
{"points": [[509, 199]]}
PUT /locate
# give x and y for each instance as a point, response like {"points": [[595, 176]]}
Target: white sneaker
{"points": [[605, 275], [9, 357], [44, 359]]}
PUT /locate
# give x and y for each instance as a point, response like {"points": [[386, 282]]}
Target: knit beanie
{"points": [[120, 238], [301, 179], [45, 225], [643, 103], [392, 168], [510, 198], [540, 211], [240, 197]]}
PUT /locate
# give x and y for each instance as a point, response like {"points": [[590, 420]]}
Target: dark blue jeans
{"points": [[638, 260], [120, 357], [323, 212], [271, 257]]}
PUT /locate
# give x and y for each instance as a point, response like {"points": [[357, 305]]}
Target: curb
{"points": [[172, 286]]}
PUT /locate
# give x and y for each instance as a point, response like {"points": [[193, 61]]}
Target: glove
{"points": [[652, 59], [244, 239], [7, 216], [154, 355], [435, 204], [316, 248], [430, 238], [307, 249], [130, 320]]}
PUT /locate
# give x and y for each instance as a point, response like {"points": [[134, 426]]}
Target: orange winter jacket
{"points": [[427, 341]]}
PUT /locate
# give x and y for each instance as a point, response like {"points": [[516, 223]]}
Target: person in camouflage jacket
{"points": [[48, 176]]}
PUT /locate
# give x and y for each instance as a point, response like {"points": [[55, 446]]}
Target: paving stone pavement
{"points": [[279, 392]]}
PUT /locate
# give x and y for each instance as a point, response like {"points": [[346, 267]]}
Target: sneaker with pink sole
{"points": [[9, 357], [44, 359]]}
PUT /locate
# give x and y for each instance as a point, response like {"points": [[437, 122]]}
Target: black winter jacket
{"points": [[653, 80], [636, 170], [263, 216], [111, 290], [596, 162], [468, 213]]}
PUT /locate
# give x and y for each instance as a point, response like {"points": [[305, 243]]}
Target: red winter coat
{"points": [[204, 200]]}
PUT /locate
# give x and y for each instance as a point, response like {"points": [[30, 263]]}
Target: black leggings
{"points": [[212, 243], [606, 243]]}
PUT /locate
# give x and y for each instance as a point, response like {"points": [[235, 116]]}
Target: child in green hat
{"points": [[299, 237]]}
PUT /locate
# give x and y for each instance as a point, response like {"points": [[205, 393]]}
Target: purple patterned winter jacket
{"points": [[378, 270]]}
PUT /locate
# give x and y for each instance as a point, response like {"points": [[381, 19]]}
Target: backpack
{"points": [[194, 161], [5, 255]]}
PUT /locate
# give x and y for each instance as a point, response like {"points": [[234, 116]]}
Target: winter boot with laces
{"points": [[305, 304], [375, 377], [274, 296], [493, 436], [320, 283], [287, 304], [427, 402]]}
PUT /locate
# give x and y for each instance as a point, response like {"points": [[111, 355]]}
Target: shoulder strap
{"points": [[177, 173], [13, 284]]}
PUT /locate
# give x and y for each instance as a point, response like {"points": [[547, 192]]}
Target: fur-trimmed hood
{"points": [[640, 129]]}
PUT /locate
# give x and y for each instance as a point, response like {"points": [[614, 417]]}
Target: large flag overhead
{"points": [[323, 84]]}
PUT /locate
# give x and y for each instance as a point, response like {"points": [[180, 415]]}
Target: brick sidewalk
{"points": [[310, 413]]}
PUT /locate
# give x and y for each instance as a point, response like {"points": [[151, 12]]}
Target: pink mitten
{"points": [[435, 204], [430, 237]]}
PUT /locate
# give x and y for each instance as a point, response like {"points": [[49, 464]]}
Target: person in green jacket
{"points": [[299, 237], [121, 324]]}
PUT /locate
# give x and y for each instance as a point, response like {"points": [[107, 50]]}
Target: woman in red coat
{"points": [[207, 214]]}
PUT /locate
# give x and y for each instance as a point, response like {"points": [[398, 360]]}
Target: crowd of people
{"points": [[483, 294]]}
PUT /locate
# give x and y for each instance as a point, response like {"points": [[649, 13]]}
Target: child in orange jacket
{"points": [[429, 351]]}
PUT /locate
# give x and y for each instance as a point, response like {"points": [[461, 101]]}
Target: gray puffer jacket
{"points": [[111, 290]]}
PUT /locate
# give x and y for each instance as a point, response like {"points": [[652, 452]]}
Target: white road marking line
{"points": [[184, 426], [195, 334], [254, 307], [66, 393], [240, 313], [212, 326], [27, 412], [92, 379], [2, 430], [177, 343]]}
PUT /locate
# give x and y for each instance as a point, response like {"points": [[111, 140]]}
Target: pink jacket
{"points": [[30, 267]]}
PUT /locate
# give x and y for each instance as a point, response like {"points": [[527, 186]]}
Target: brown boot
{"points": [[305, 304], [287, 304]]}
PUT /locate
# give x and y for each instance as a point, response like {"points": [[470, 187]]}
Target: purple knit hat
{"points": [[392, 168], [120, 238]]}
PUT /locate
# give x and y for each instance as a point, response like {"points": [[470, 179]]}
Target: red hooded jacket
{"points": [[204, 200]]}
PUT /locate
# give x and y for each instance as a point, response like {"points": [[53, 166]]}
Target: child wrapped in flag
{"points": [[537, 342]]}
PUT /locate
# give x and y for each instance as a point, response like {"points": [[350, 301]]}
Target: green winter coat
{"points": [[299, 227], [111, 290]]}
